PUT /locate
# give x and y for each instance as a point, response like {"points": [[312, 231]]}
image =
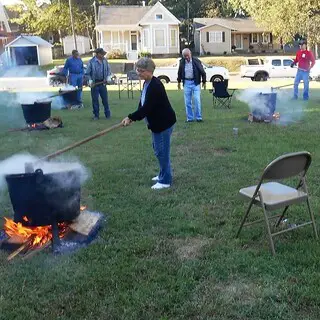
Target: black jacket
{"points": [[198, 71], [157, 108]]}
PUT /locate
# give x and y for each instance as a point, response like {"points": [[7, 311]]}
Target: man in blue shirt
{"points": [[74, 68], [99, 74]]}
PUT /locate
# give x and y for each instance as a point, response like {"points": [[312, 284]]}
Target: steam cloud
{"points": [[16, 165]]}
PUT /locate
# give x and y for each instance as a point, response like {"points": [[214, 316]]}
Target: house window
{"points": [[254, 38], [266, 38], [146, 38], [173, 37], [159, 16], [159, 38], [215, 36]]}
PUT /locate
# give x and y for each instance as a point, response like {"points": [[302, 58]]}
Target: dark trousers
{"points": [[101, 90], [76, 80]]}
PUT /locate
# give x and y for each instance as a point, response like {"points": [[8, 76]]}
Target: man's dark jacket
{"points": [[198, 71], [157, 108]]}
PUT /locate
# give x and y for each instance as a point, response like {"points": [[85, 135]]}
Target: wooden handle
{"points": [[285, 85], [79, 143]]}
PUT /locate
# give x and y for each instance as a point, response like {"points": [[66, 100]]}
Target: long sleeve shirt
{"points": [[98, 70], [305, 60], [73, 65]]}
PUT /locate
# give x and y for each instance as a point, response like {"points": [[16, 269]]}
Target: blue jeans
{"points": [[190, 89], [77, 80], [101, 90], [161, 147], [301, 75]]}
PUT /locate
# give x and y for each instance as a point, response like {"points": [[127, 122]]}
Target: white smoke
{"points": [[16, 165], [290, 110]]}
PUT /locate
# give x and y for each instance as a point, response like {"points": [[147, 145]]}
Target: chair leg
{"points": [[271, 244], [312, 218], [282, 215], [245, 218]]}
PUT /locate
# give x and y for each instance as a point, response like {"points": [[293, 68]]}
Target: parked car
{"points": [[170, 73], [273, 67], [56, 77], [315, 71]]}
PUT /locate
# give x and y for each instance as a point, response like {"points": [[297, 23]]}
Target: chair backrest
{"points": [[288, 165], [133, 75], [220, 89], [128, 66]]}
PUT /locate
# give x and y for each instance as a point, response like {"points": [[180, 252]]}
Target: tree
{"points": [[52, 18], [285, 18]]}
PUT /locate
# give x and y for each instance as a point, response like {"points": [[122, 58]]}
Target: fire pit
{"points": [[28, 241], [36, 112]]}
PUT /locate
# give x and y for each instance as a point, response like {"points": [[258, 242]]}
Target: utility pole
{"points": [[188, 16], [95, 22], [72, 26]]}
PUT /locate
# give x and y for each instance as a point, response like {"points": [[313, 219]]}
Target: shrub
{"points": [[146, 54], [232, 64], [116, 54]]}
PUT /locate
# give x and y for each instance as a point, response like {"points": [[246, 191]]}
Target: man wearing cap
{"points": [[99, 74], [73, 68], [306, 61]]}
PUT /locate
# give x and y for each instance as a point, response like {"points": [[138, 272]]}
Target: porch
{"points": [[253, 42], [126, 41]]}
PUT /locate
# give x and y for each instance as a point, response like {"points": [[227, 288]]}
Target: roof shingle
{"points": [[121, 15], [236, 24]]}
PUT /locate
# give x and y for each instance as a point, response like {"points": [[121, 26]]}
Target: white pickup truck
{"points": [[170, 73], [272, 67]]}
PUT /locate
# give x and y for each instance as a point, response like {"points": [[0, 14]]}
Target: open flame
{"points": [[38, 236]]}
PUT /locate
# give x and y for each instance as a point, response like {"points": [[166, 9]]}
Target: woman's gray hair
{"points": [[146, 64]]}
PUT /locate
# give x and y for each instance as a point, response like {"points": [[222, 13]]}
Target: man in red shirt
{"points": [[306, 61]]}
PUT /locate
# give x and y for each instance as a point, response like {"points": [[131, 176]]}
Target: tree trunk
{"points": [[60, 36], [90, 38]]}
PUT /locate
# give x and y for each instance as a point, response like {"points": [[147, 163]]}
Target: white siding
{"points": [[45, 55], [155, 12], [83, 44]]}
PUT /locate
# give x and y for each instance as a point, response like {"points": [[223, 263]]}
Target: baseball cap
{"points": [[100, 50]]}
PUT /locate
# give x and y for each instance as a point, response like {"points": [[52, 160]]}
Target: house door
{"points": [[134, 41], [238, 41]]}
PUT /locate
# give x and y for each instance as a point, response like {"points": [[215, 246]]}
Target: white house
{"points": [[134, 29], [29, 50], [83, 44]]}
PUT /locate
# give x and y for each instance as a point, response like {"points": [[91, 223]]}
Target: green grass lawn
{"points": [[171, 254]]}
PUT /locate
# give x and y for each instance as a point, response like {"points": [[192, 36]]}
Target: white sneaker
{"points": [[156, 178], [159, 186]]}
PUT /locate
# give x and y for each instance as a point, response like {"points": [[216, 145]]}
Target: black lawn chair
{"points": [[221, 95]]}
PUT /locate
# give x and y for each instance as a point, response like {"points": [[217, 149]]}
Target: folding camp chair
{"points": [[128, 83], [220, 94], [273, 195]]}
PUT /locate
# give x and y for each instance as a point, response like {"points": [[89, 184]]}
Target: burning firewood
{"points": [[21, 248]]}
